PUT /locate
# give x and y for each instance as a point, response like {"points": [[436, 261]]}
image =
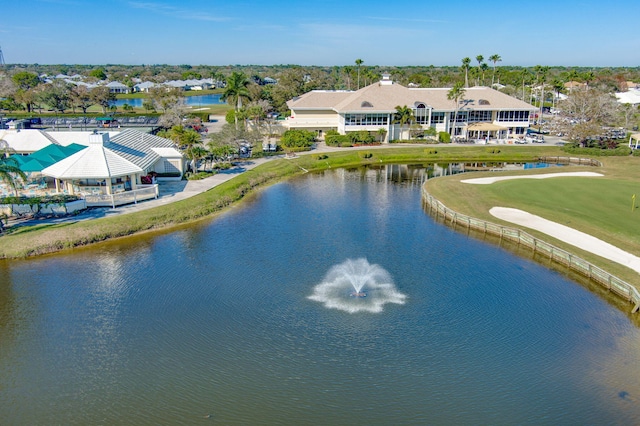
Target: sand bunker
{"points": [[489, 180], [568, 235], [556, 230]]}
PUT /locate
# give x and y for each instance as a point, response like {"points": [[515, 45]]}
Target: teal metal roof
{"points": [[47, 156]]}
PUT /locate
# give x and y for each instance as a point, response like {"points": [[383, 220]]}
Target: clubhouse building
{"points": [[482, 114]]}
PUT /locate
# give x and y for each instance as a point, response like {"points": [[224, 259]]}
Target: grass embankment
{"points": [[599, 206], [34, 240]]}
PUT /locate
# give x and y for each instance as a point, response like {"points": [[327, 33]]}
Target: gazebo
{"points": [[95, 170], [634, 137]]}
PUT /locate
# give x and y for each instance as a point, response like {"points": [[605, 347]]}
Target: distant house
{"points": [[143, 87], [117, 87], [193, 84]]}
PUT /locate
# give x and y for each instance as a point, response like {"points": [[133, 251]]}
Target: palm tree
{"points": [[541, 76], [495, 59], [10, 171], [479, 58], [381, 132], [525, 75], [466, 62], [456, 94], [588, 77], [483, 68], [558, 86], [196, 153], [358, 63], [403, 116], [347, 72], [235, 90]]}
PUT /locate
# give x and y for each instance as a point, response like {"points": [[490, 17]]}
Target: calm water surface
{"points": [[212, 99], [213, 324]]}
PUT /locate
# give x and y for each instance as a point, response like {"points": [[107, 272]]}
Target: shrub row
{"points": [[361, 137], [621, 151], [58, 199], [298, 138]]}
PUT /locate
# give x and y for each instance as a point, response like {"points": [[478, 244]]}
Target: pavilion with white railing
{"points": [[101, 176]]}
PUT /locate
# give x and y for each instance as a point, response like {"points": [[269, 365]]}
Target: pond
{"points": [[254, 318], [193, 101]]}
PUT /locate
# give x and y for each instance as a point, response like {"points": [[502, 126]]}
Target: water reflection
{"points": [[198, 100]]}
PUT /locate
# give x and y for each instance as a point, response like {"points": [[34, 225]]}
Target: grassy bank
{"points": [[35, 240]]}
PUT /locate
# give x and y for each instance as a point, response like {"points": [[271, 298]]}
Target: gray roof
{"points": [[383, 98], [116, 84], [137, 147]]}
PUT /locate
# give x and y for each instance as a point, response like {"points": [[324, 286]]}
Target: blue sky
{"points": [[311, 32]]}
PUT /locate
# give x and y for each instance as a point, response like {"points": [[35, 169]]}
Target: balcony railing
{"points": [[143, 192]]}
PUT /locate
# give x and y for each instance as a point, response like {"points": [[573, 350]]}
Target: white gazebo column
{"points": [[109, 186], [134, 181]]}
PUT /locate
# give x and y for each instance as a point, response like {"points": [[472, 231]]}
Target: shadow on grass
{"points": [[25, 229]]}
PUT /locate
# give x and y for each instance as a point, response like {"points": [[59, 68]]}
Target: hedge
{"points": [[621, 151]]}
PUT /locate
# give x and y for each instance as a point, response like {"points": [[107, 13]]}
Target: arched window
{"points": [[483, 102], [421, 113], [366, 104]]}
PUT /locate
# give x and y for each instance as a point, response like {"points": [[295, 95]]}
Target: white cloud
{"points": [[175, 12]]}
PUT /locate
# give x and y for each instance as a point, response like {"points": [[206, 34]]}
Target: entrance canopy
{"points": [[485, 127]]}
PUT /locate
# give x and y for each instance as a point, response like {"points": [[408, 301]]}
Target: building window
{"points": [[437, 117], [366, 119], [513, 116], [462, 117], [421, 114], [475, 116]]}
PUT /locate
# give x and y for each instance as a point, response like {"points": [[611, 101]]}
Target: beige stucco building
{"points": [[482, 113]]}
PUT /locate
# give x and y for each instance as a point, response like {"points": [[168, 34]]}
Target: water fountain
{"points": [[355, 285]]}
